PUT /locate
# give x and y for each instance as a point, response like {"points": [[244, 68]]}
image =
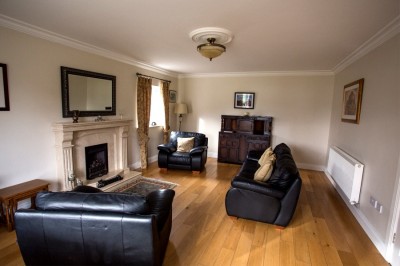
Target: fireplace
{"points": [[96, 158], [71, 140]]}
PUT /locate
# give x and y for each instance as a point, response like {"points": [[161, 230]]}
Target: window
{"points": [[157, 115]]}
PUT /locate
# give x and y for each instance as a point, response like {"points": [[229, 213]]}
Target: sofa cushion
{"points": [[185, 144], [282, 149], [180, 158], [248, 169], [95, 202], [285, 172], [199, 138]]}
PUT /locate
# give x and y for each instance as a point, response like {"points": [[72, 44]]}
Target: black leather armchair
{"points": [[76, 228], [194, 160], [273, 201]]}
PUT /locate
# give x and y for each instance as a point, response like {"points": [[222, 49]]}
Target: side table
{"points": [[9, 197]]}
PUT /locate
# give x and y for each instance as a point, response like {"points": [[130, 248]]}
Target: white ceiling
{"points": [[269, 35]]}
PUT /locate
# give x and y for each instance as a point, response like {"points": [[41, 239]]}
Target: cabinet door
{"points": [[228, 148], [253, 143], [258, 143]]}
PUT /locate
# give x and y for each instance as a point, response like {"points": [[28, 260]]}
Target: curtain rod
{"points": [[138, 74]]}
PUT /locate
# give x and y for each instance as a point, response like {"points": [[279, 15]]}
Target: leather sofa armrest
{"points": [[256, 186], [160, 205], [168, 148], [198, 150], [160, 200]]}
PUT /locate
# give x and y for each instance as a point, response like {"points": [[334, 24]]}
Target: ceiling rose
{"points": [[211, 40]]}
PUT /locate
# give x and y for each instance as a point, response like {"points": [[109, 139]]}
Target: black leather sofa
{"points": [[273, 201], [76, 228], [193, 160]]}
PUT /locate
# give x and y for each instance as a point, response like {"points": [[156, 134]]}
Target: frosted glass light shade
{"points": [[211, 49]]}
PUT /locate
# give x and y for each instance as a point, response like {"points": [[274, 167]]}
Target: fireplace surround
{"points": [[71, 139]]}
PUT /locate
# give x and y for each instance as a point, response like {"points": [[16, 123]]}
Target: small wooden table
{"points": [[9, 197]]}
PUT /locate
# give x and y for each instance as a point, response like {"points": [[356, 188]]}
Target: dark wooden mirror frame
{"points": [[65, 71], [6, 106]]}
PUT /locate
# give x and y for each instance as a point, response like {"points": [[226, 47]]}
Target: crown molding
{"points": [[258, 74], [386, 33], [38, 32], [378, 39]]}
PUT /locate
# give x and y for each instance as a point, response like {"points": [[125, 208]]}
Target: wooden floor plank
{"points": [[322, 232]]}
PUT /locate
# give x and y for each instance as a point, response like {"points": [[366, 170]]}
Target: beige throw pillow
{"points": [[267, 156], [266, 163], [264, 172], [185, 144]]}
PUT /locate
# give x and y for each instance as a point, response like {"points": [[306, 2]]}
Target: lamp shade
{"points": [[180, 108], [211, 49]]}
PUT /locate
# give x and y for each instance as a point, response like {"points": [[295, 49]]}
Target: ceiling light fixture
{"points": [[211, 41], [211, 49]]}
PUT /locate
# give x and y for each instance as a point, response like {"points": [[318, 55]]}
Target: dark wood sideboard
{"points": [[240, 134]]}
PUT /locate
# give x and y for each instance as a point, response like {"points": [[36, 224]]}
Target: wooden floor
{"points": [[322, 232]]}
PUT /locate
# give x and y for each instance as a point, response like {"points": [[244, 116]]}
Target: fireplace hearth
{"points": [[96, 157]]}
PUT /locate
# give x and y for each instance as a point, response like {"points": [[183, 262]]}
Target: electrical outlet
{"points": [[372, 201], [379, 207]]}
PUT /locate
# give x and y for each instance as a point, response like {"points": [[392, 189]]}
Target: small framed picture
{"points": [[244, 100], [352, 96], [172, 96]]}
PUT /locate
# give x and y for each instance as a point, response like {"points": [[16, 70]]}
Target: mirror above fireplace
{"points": [[91, 93]]}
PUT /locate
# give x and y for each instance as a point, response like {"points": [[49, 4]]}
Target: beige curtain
{"points": [[165, 95], [143, 114]]}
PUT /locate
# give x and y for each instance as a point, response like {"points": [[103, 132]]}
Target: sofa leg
{"points": [[278, 227], [196, 172], [163, 170]]}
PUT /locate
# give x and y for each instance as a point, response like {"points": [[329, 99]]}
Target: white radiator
{"points": [[347, 173]]}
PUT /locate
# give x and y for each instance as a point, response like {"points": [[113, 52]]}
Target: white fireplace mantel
{"points": [[72, 138]]}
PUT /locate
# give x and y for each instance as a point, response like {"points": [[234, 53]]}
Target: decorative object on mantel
{"points": [[4, 100], [181, 109], [211, 41], [352, 97], [75, 116], [99, 119], [244, 100]]}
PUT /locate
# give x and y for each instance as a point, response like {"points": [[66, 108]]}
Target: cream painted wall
{"points": [[300, 107], [26, 140], [375, 141]]}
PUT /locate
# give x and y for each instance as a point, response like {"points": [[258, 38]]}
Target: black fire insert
{"points": [[96, 157]]}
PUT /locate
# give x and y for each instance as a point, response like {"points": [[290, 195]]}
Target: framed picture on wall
{"points": [[351, 106], [4, 100], [172, 96], [244, 100]]}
